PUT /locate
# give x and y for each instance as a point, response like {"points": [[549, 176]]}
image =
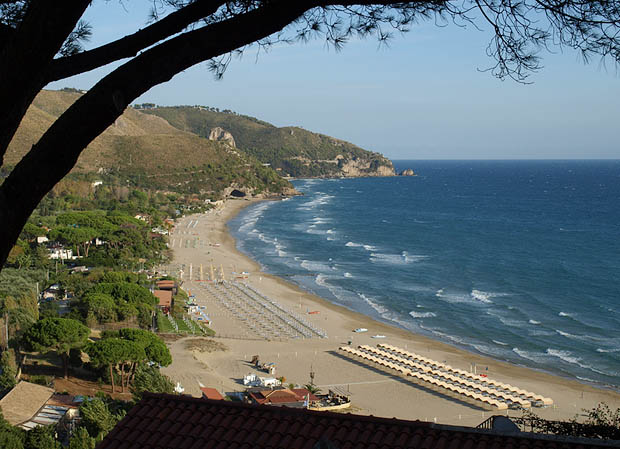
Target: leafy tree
{"points": [[58, 335], [602, 422], [41, 437], [101, 305], [11, 437], [209, 30], [117, 354], [127, 291], [150, 378], [81, 439], [7, 377], [97, 418], [155, 350], [312, 388]]}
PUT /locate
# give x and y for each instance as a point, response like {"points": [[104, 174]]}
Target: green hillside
{"points": [[147, 152], [292, 151]]}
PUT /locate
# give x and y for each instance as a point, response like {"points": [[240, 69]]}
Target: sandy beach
{"points": [[204, 240]]}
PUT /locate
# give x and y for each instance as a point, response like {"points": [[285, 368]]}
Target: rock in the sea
{"points": [[221, 135], [407, 172]]}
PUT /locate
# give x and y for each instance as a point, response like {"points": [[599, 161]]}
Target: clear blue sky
{"points": [[421, 98]]}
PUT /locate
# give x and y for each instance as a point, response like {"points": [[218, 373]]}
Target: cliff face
{"points": [[221, 135], [366, 167]]}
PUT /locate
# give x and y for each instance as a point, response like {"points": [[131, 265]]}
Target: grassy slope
{"points": [[149, 151]]}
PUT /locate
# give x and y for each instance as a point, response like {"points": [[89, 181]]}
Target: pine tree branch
{"points": [[129, 46]]}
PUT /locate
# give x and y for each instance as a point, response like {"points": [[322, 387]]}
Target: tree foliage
{"points": [[602, 422], [150, 378], [184, 33], [125, 351], [58, 335], [97, 418]]}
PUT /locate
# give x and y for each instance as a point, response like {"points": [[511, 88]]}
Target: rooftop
{"points": [[180, 422], [24, 401], [164, 296], [211, 393]]}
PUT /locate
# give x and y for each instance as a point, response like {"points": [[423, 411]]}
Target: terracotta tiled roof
{"points": [[164, 296], [181, 422], [165, 285], [211, 393]]}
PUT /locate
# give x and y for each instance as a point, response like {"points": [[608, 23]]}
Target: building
{"points": [[165, 300], [29, 405], [211, 393], [60, 252], [167, 421], [297, 397]]}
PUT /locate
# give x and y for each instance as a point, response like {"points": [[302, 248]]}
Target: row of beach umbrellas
{"points": [[536, 399]]}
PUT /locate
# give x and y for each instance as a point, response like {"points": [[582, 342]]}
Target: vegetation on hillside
{"points": [[293, 151], [142, 151]]}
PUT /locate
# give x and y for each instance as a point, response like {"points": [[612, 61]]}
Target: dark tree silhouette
{"points": [[40, 43]]}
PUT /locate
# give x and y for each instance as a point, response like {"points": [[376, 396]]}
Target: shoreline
{"points": [[373, 391]]}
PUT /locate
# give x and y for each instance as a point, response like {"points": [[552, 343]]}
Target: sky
{"points": [[422, 97]]}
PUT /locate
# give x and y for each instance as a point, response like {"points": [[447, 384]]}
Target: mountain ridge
{"points": [[291, 150]]}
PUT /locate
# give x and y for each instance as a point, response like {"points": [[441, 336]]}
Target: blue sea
{"points": [[516, 260]]}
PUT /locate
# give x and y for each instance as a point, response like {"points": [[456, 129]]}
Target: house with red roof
{"points": [[165, 300], [211, 393], [295, 397]]}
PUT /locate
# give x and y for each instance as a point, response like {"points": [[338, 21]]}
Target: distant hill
{"points": [[146, 151], [292, 151]]}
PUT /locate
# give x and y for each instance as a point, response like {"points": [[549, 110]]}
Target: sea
{"points": [[516, 260]]}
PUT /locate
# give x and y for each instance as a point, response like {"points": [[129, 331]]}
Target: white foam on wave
{"points": [[445, 336], [457, 298], [360, 245], [534, 322], [484, 296], [533, 356], [320, 279], [320, 220], [311, 265], [501, 343], [348, 275], [395, 259], [505, 321], [320, 200], [586, 338], [422, 315], [375, 305], [567, 315], [481, 296], [607, 350], [539, 333]]}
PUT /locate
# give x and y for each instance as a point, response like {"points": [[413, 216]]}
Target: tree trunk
{"points": [[123, 377], [65, 364], [25, 56], [53, 156], [133, 373], [112, 378]]}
